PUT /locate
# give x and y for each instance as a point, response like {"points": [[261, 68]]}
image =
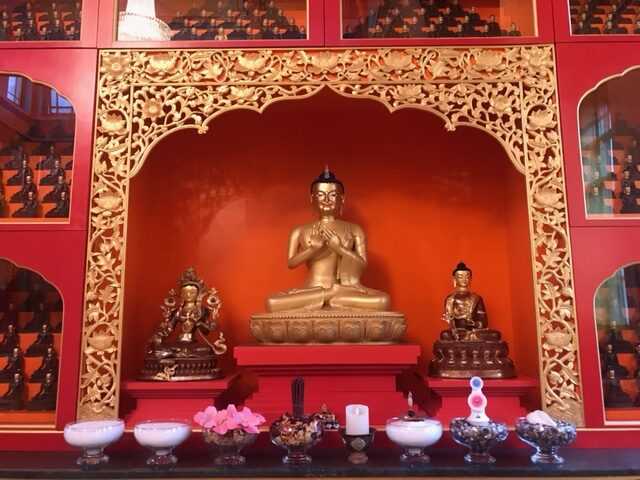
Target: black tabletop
{"points": [[327, 463]]}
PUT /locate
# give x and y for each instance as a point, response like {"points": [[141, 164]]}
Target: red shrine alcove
{"points": [[226, 201]]}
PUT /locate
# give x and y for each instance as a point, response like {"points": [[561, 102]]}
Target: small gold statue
{"points": [[174, 353], [468, 348], [332, 305]]}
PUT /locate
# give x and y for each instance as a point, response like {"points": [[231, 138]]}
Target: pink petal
{"points": [[250, 429], [200, 418], [221, 429]]}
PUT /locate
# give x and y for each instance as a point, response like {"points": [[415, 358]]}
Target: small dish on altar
{"points": [[92, 437], [413, 434], [162, 436], [546, 435]]}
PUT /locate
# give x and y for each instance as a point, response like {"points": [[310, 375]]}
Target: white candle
{"points": [[357, 419]]}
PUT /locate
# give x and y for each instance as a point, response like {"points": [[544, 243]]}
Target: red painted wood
{"points": [[333, 35], [107, 34], [508, 399], [73, 74], [58, 257], [168, 400], [562, 21], [574, 81], [88, 33], [335, 375]]}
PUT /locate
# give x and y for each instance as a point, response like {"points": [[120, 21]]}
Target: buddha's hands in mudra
{"points": [[331, 239]]}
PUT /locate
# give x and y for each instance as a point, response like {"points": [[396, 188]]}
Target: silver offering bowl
{"points": [[479, 439], [297, 435], [546, 439], [358, 445]]}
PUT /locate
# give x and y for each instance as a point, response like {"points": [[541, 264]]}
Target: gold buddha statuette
{"points": [[179, 349], [468, 347], [332, 305]]}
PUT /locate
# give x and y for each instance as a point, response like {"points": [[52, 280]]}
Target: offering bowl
{"points": [[478, 438], [413, 435], [92, 437], [546, 439], [296, 435], [229, 445], [161, 436]]}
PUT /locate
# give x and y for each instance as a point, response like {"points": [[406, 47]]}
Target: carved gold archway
{"points": [[509, 92]]}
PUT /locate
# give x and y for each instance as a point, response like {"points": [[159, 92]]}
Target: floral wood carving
{"points": [[509, 92]]}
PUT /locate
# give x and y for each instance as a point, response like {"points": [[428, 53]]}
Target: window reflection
{"points": [[36, 21], [610, 146], [617, 313], [164, 20], [437, 18], [605, 17], [36, 151]]}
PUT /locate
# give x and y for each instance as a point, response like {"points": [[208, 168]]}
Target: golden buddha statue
{"points": [[468, 348], [332, 305], [174, 352]]}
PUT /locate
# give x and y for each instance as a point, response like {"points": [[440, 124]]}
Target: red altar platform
{"points": [[169, 400], [335, 375], [508, 399]]}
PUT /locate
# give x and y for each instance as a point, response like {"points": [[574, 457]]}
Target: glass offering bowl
{"points": [[546, 439], [229, 445], [162, 436], [479, 439], [296, 435], [92, 437], [413, 435]]}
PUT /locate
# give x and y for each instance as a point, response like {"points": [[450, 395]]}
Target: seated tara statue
{"points": [[179, 349], [332, 306], [468, 348]]}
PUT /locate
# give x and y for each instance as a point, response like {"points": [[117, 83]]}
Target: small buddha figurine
{"points": [[40, 317], [10, 341], [18, 157], [15, 364], [55, 172], [45, 399], [49, 365], [43, 341], [10, 317], [468, 347], [21, 195], [179, 349], [49, 161], [614, 396], [611, 363], [23, 172], [614, 338], [29, 207], [13, 399], [61, 210], [335, 254], [54, 195]]}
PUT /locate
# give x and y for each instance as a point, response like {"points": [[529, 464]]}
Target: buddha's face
{"points": [[327, 198], [462, 279], [189, 293]]}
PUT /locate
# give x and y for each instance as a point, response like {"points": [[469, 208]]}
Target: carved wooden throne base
{"points": [[328, 326]]}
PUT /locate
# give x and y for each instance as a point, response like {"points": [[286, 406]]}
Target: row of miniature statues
{"points": [[613, 371], [332, 306], [32, 22], [426, 18], [609, 17], [13, 373], [28, 194], [231, 20], [603, 185]]}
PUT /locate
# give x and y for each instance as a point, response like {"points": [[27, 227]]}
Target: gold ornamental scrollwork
{"points": [[508, 92]]}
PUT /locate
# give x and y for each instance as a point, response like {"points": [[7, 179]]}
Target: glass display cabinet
{"points": [[36, 152]]}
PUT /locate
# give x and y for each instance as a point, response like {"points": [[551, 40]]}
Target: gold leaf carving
{"points": [[509, 92]]}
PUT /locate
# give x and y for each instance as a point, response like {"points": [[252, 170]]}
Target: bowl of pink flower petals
{"points": [[229, 430]]}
